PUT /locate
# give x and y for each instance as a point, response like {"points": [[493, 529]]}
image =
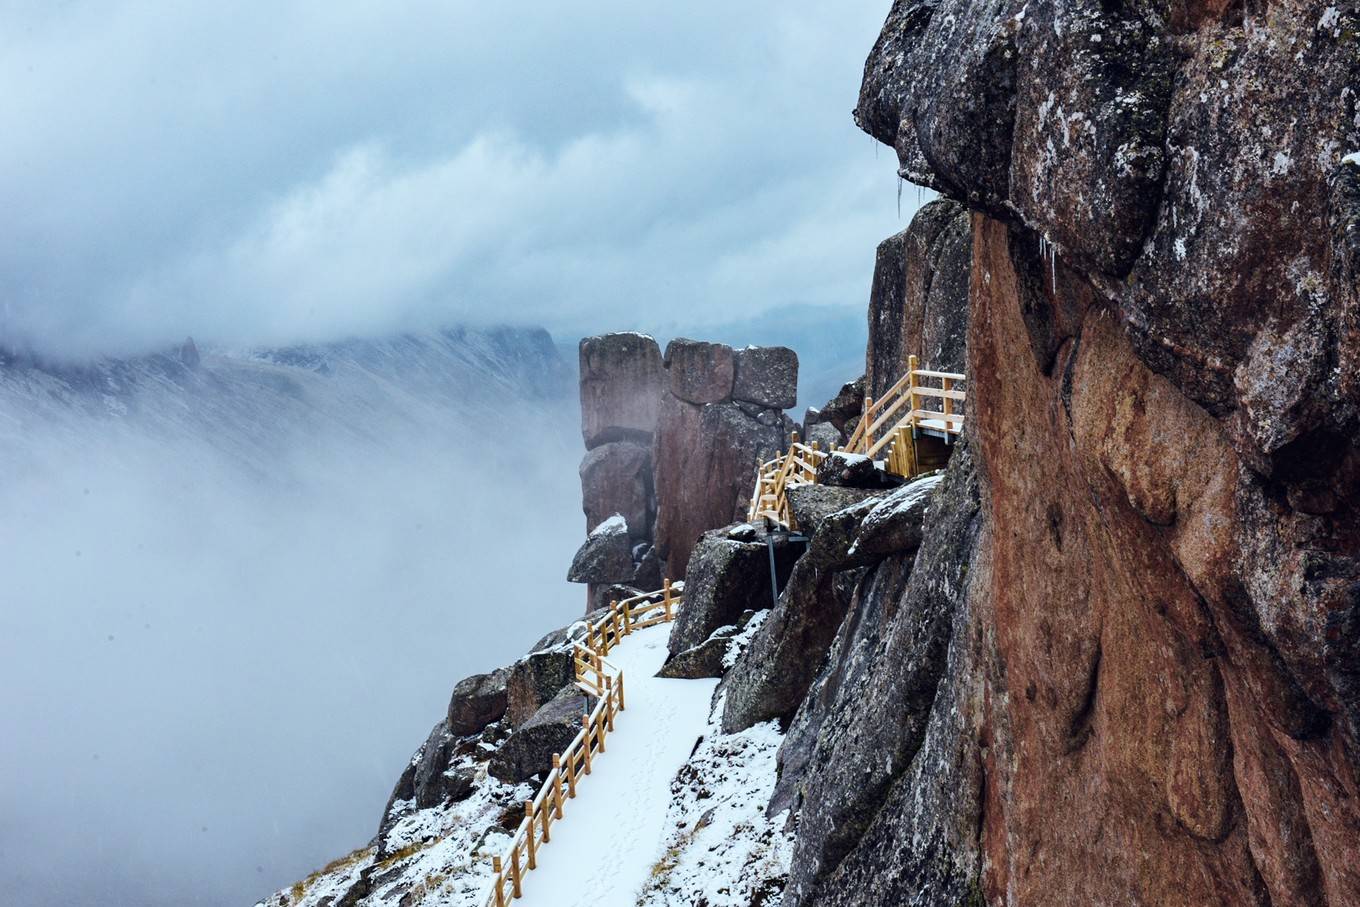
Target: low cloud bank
{"points": [[210, 678]]}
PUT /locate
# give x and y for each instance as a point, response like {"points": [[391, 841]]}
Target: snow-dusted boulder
{"points": [[606, 556], [478, 701], [894, 526], [767, 375], [708, 658], [849, 470], [529, 750], [535, 680], [725, 578], [813, 503], [700, 372]]}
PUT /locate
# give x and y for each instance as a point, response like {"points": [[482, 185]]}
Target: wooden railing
{"points": [[904, 407], [797, 466], [889, 424], [597, 678]]}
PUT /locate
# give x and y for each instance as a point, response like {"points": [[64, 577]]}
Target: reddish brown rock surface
{"points": [[1147, 689], [617, 478], [705, 467], [621, 384], [699, 371]]}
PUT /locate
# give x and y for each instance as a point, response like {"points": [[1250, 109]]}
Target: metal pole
{"points": [[774, 577]]}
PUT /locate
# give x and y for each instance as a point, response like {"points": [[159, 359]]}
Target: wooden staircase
{"points": [[911, 429]]}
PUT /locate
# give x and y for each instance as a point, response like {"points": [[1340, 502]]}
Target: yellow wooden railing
{"points": [[903, 408], [797, 466], [889, 426], [597, 678]]}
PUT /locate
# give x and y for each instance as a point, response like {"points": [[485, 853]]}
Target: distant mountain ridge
{"points": [[248, 402]]}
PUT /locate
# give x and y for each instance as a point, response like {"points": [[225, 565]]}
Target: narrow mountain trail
{"points": [[604, 850]]}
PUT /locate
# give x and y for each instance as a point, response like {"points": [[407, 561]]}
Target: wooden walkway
{"points": [[600, 680], [903, 427]]}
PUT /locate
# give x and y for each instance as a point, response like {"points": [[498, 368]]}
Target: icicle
{"points": [[1049, 253]]}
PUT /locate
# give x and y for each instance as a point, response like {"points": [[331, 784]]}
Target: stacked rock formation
{"points": [[671, 446], [621, 386], [723, 410]]}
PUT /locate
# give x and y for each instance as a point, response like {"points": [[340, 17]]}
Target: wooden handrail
{"points": [[596, 677], [796, 466], [881, 419]]}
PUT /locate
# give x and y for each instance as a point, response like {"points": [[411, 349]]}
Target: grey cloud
{"points": [[269, 173]]}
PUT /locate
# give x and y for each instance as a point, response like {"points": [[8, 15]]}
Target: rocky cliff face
{"points": [[1153, 650]]}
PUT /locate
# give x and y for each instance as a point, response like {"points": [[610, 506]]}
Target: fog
{"points": [[210, 677]]}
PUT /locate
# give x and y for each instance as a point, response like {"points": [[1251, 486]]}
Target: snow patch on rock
{"points": [[739, 642]]}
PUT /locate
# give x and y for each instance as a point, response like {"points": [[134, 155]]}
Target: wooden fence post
{"points": [[585, 747], [571, 774], [545, 813], [911, 389], [529, 833], [620, 691], [500, 881], [600, 731], [557, 785], [609, 702], [515, 888], [868, 418], [666, 593]]}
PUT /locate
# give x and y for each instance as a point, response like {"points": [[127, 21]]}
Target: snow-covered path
{"points": [[611, 834]]}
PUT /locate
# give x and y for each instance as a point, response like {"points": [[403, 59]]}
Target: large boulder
{"points": [[844, 409], [725, 578], [813, 503], [918, 304], [477, 701], [774, 672], [894, 526], [700, 372], [529, 750], [766, 375], [606, 556], [437, 780], [848, 470], [705, 462], [439, 773], [622, 379], [617, 478], [535, 679], [708, 658]]}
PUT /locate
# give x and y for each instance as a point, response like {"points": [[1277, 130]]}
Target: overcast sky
{"points": [[264, 173]]}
